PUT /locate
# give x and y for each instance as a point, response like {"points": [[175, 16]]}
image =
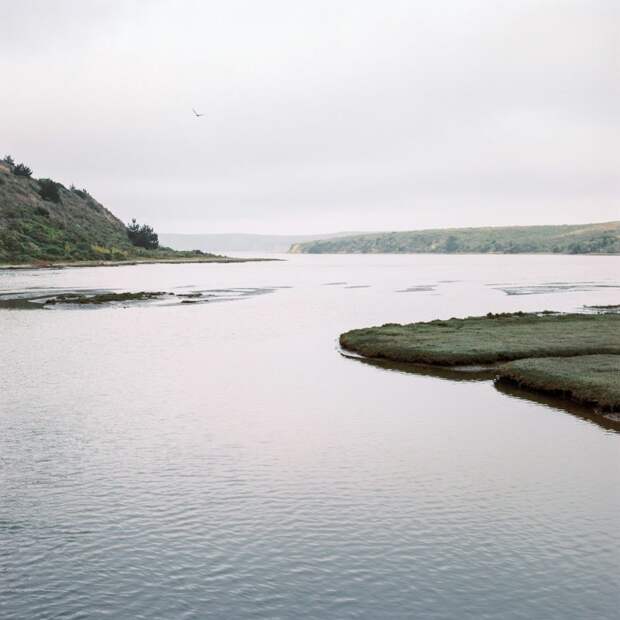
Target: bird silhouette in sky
{"points": [[196, 114]]}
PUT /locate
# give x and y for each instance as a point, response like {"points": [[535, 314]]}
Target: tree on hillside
{"points": [[9, 161], [21, 170], [48, 190], [142, 236]]}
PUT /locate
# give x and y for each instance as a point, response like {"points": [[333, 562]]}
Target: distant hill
{"points": [[240, 242], [578, 239], [43, 221]]}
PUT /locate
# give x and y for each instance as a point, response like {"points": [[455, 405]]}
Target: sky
{"points": [[319, 116]]}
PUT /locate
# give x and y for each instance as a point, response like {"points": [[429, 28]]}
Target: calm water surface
{"points": [[223, 460]]}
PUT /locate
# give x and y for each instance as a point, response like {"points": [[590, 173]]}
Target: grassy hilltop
{"points": [[578, 239], [43, 222]]}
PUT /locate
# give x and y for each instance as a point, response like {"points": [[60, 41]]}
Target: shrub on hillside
{"points": [[48, 190], [82, 193], [9, 161], [142, 236], [21, 170]]}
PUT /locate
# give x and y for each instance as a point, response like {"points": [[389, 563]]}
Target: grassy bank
{"points": [[587, 379], [576, 355]]}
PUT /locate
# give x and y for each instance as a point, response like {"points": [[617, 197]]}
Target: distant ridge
{"points": [[240, 242], [601, 238]]}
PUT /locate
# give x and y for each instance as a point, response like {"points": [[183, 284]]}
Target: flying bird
{"points": [[196, 114]]}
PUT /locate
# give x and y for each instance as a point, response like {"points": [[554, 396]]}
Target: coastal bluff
{"points": [[45, 224]]}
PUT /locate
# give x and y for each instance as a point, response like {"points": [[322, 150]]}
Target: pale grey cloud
{"points": [[320, 115]]}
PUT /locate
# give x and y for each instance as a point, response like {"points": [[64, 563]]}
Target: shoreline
{"points": [[132, 262]]}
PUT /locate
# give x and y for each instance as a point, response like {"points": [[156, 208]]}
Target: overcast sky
{"points": [[319, 115]]}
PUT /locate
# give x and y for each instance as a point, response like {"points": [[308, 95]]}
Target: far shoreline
{"points": [[454, 253]]}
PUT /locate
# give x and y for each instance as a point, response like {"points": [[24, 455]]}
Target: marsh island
{"points": [[575, 355]]}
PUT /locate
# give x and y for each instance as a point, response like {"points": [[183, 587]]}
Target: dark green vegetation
{"points": [[555, 352], [53, 298], [589, 379], [49, 190], [142, 236], [42, 222], [21, 170], [85, 298], [103, 298], [583, 239]]}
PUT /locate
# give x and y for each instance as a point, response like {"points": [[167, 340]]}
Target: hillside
{"points": [[70, 225], [601, 238]]}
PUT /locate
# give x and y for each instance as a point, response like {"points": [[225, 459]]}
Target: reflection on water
{"points": [[456, 373], [610, 421], [225, 461]]}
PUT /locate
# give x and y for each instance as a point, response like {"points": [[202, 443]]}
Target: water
{"points": [[223, 460]]}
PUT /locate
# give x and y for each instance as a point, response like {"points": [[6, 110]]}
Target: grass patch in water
{"points": [[103, 298], [588, 379], [572, 355], [489, 339]]}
